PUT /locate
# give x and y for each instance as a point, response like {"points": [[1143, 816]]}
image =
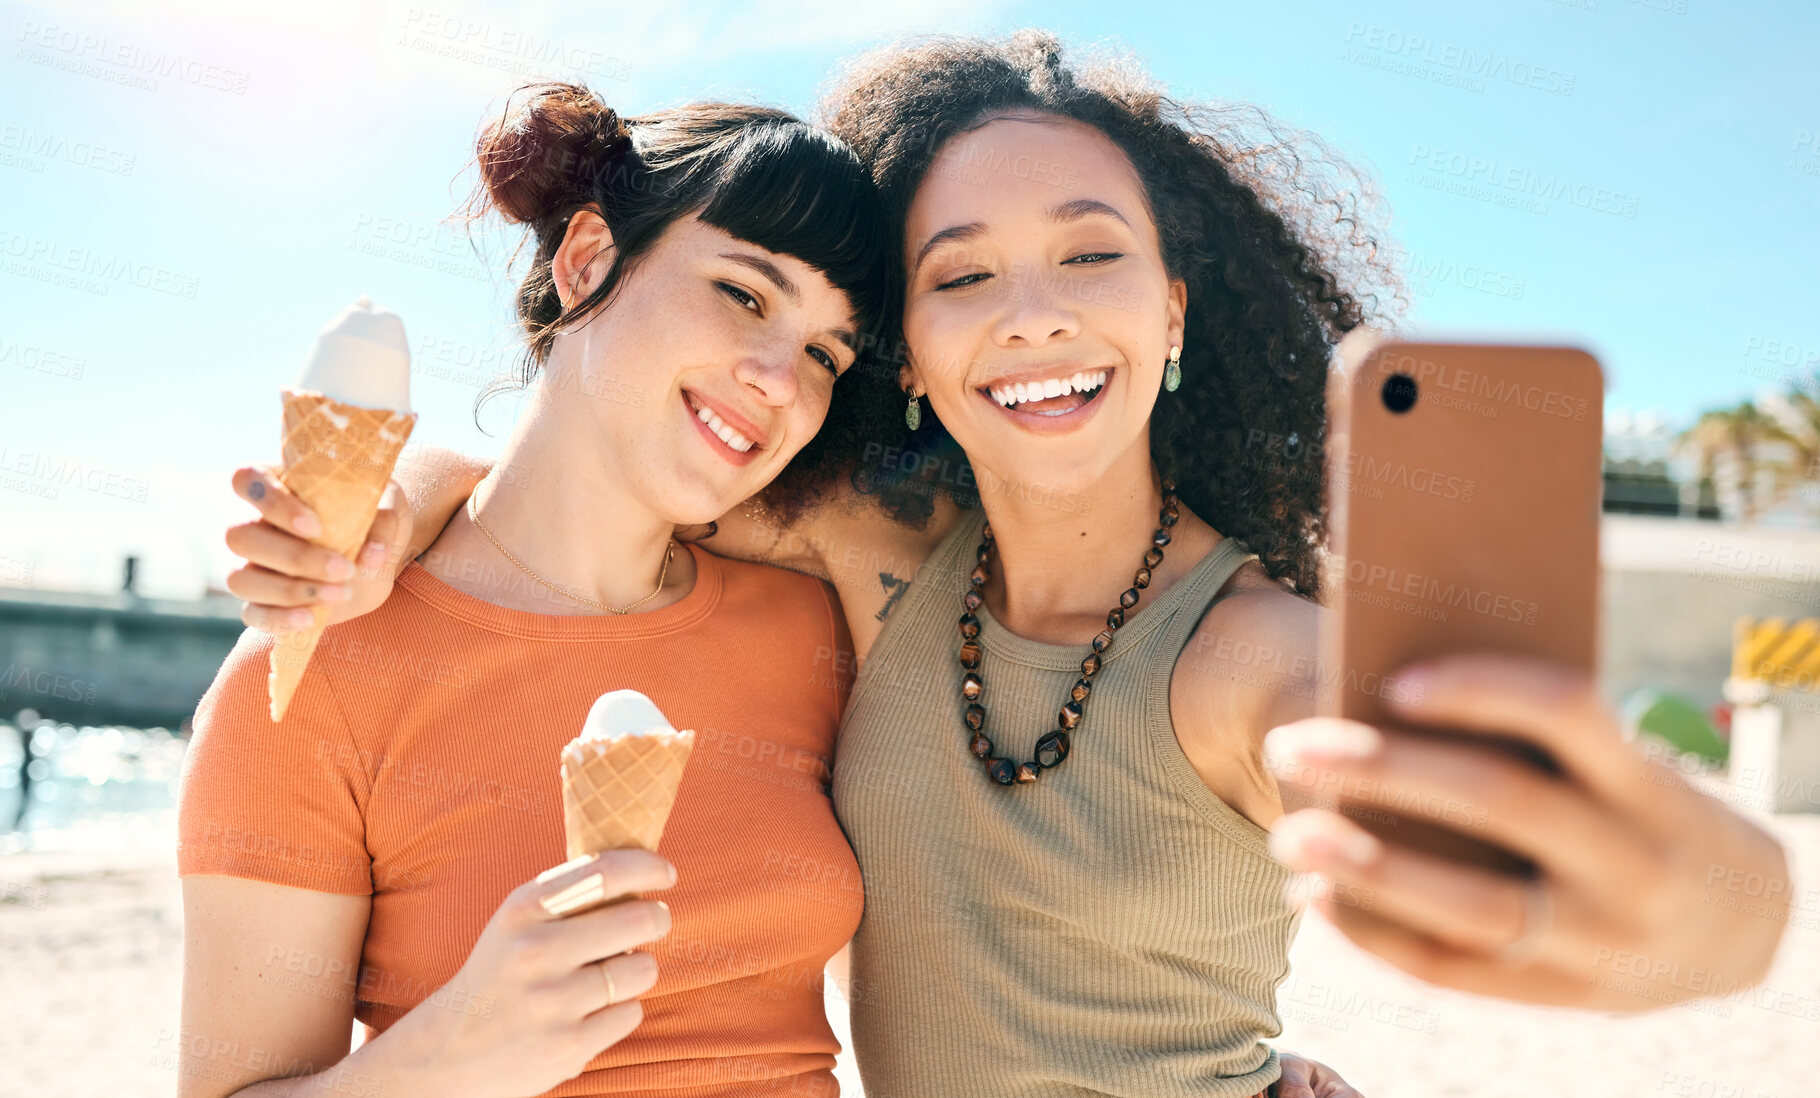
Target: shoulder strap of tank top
{"points": [[1203, 586]]}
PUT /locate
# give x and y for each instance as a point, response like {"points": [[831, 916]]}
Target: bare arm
{"points": [[436, 483], [270, 975], [1249, 666]]}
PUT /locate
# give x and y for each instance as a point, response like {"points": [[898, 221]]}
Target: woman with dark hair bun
{"points": [[1076, 530], [698, 280]]}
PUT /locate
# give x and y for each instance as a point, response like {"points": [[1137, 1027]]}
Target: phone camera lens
{"points": [[1399, 393]]}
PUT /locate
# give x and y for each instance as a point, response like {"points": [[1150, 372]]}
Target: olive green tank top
{"points": [[1114, 928]]}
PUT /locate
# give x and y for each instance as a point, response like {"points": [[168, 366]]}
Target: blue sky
{"points": [[188, 198]]}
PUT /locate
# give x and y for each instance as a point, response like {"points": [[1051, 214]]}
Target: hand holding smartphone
{"points": [[1464, 485]]}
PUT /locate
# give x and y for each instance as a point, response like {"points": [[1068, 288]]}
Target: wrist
{"points": [[402, 1062]]}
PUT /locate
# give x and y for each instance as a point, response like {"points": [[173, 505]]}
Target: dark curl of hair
{"points": [[761, 174], [1268, 229]]}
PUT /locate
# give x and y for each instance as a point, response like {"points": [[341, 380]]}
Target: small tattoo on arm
{"points": [[896, 587]]}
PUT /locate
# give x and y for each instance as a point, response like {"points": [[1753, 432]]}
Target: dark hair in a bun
{"points": [[760, 174]]}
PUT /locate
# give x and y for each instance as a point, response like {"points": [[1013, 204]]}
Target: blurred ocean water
{"points": [[89, 787]]}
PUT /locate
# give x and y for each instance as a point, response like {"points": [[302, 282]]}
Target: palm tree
{"points": [[1737, 448], [1797, 417]]}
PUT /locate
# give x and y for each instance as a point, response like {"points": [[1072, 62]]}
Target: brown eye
{"points": [[963, 280], [825, 359], [739, 295]]}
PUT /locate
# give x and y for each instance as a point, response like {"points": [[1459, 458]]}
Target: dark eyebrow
{"points": [[1084, 207], [769, 270], [952, 232], [1066, 211]]}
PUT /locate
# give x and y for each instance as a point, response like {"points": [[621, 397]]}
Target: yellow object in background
{"points": [[1777, 652]]}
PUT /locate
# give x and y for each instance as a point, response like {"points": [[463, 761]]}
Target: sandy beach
{"points": [[91, 942]]}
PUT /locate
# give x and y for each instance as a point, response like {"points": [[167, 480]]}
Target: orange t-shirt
{"points": [[419, 762]]}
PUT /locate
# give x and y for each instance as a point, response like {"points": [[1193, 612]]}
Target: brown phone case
{"points": [[1467, 521]]}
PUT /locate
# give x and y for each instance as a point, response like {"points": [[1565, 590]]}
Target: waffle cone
{"points": [[337, 459], [617, 793]]}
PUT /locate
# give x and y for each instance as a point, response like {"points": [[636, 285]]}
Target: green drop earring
{"points": [[913, 415], [1172, 371]]}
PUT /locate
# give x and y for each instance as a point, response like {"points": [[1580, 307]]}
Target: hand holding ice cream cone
{"points": [[345, 423], [619, 779]]}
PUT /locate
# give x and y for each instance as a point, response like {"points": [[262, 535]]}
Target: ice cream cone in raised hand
{"points": [[345, 422], [619, 779]]}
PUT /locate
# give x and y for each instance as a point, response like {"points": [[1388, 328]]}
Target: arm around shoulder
{"points": [[436, 482]]}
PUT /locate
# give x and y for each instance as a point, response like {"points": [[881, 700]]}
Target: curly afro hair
{"points": [[1271, 232]]}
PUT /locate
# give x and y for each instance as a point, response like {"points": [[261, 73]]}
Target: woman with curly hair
{"points": [[1089, 464]]}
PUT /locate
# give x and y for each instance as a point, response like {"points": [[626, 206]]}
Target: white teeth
{"points": [[726, 434], [1025, 392]]}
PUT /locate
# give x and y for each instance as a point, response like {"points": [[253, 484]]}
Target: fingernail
{"points": [[1415, 681], [335, 592], [1306, 848], [1358, 847], [339, 567], [308, 525], [1290, 746], [1287, 846]]}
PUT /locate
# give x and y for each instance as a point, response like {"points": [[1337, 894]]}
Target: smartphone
{"points": [[1463, 487]]}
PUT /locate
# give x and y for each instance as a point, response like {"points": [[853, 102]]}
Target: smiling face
{"points": [[1038, 311], [710, 367]]}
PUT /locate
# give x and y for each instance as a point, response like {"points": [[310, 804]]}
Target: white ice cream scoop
{"points": [[362, 359], [623, 713]]}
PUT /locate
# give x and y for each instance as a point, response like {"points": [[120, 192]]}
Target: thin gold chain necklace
{"points": [[669, 551]]}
